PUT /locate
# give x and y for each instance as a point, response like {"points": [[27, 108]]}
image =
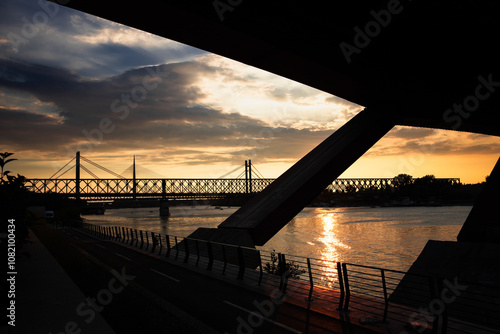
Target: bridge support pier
{"points": [[164, 208]]}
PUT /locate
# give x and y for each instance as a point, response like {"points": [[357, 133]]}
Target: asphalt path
{"points": [[225, 307]]}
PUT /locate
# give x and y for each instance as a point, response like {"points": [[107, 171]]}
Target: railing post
{"points": [[210, 256], [136, 238], [283, 272], [154, 242], [167, 239], [147, 239], [386, 300], [309, 298], [241, 263], [347, 290], [161, 245], [310, 278], [123, 234], [142, 239], [341, 285], [131, 236]]}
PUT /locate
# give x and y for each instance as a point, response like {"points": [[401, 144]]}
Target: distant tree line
{"points": [[404, 190]]}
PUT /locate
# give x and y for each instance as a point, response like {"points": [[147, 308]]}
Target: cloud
{"points": [[408, 140], [411, 132], [81, 43], [84, 83], [171, 118], [168, 114], [24, 130]]}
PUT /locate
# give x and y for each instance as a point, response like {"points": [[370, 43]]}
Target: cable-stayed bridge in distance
{"points": [[249, 181]]}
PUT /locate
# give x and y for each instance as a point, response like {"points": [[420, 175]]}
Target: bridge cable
{"points": [[144, 170], [241, 175], [62, 168], [231, 172], [257, 172], [88, 171], [103, 168], [67, 170]]}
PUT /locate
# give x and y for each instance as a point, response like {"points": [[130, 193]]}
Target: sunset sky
{"points": [[78, 82]]}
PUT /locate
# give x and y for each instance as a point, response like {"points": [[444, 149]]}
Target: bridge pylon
{"points": [[77, 175]]}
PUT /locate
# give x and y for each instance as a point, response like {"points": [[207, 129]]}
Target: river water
{"points": [[387, 237]]}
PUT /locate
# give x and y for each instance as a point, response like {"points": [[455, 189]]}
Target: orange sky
{"points": [[113, 92]]}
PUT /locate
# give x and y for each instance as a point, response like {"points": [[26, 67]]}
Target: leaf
{"points": [[5, 155], [3, 161]]}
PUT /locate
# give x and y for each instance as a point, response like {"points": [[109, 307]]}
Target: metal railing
{"points": [[411, 302]]}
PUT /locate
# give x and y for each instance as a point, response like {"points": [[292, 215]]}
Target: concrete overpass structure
{"points": [[415, 63]]}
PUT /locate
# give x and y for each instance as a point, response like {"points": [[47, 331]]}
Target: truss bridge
{"points": [[250, 181]]}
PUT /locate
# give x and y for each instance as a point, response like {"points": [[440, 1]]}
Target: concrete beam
{"points": [[273, 208]]}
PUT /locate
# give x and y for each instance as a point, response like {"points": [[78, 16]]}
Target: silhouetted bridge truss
{"points": [[251, 182], [94, 189]]}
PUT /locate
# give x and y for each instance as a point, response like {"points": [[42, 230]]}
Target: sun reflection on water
{"points": [[330, 253]]}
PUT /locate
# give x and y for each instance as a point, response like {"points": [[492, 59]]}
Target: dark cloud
{"points": [[90, 46], [25, 130], [152, 108], [411, 133]]}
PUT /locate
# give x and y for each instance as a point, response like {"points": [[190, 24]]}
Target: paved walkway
{"points": [[46, 297]]}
